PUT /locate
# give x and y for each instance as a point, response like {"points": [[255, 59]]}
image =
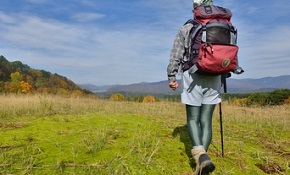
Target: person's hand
{"points": [[173, 85]]}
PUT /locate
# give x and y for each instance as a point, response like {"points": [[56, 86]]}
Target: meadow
{"points": [[44, 134]]}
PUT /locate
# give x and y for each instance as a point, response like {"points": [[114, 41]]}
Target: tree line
{"points": [[16, 77], [276, 97]]}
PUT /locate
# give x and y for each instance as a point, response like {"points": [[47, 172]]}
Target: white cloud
{"points": [[57, 46], [6, 18], [36, 33]]}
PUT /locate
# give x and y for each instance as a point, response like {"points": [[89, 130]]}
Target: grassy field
{"points": [[82, 136]]}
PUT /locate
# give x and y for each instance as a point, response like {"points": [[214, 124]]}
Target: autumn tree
{"points": [[14, 84], [25, 87], [17, 85]]}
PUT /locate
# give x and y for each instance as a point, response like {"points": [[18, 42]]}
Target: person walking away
{"points": [[200, 95]]}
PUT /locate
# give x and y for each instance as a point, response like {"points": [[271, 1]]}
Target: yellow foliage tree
{"points": [[117, 97], [14, 85], [25, 87], [149, 99]]}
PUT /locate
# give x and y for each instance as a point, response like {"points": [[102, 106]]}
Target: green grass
{"points": [[87, 144], [54, 135]]}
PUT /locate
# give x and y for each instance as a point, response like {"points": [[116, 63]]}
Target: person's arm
{"points": [[176, 55]]}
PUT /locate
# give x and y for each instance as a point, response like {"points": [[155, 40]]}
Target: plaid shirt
{"points": [[178, 51]]}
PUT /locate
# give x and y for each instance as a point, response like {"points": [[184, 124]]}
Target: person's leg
{"points": [[193, 124], [199, 124], [205, 164], [206, 124]]}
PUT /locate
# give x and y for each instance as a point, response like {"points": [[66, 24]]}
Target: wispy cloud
{"points": [[6, 19], [33, 32], [100, 51]]}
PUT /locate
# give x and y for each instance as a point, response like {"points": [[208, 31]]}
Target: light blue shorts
{"points": [[200, 89]]}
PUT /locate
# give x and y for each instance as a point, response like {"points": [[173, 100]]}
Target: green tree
{"points": [[16, 77], [5, 69]]}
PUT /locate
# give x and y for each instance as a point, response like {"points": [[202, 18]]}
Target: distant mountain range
{"points": [[233, 85]]}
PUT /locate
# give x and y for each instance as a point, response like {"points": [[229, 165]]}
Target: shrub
{"points": [[117, 97], [240, 102], [278, 97], [149, 99], [287, 101], [258, 99]]}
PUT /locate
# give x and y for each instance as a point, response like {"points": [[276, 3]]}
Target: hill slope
{"points": [[16, 76], [262, 84]]}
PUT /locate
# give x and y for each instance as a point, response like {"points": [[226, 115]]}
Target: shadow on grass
{"points": [[182, 132]]}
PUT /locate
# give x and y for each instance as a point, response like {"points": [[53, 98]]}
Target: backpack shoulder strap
{"points": [[192, 21], [193, 31], [196, 27]]}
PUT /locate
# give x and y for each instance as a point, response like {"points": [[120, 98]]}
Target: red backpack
{"points": [[212, 43]]}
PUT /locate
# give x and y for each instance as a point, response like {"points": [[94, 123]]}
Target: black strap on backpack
{"points": [[188, 50]]}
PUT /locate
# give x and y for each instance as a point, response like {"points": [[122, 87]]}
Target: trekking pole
{"points": [[224, 82], [221, 129]]}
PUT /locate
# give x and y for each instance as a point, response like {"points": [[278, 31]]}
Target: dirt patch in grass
{"points": [[270, 168]]}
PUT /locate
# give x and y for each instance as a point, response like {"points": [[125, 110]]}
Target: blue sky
{"points": [[105, 42]]}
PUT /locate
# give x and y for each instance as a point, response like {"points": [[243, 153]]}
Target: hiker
{"points": [[200, 95]]}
